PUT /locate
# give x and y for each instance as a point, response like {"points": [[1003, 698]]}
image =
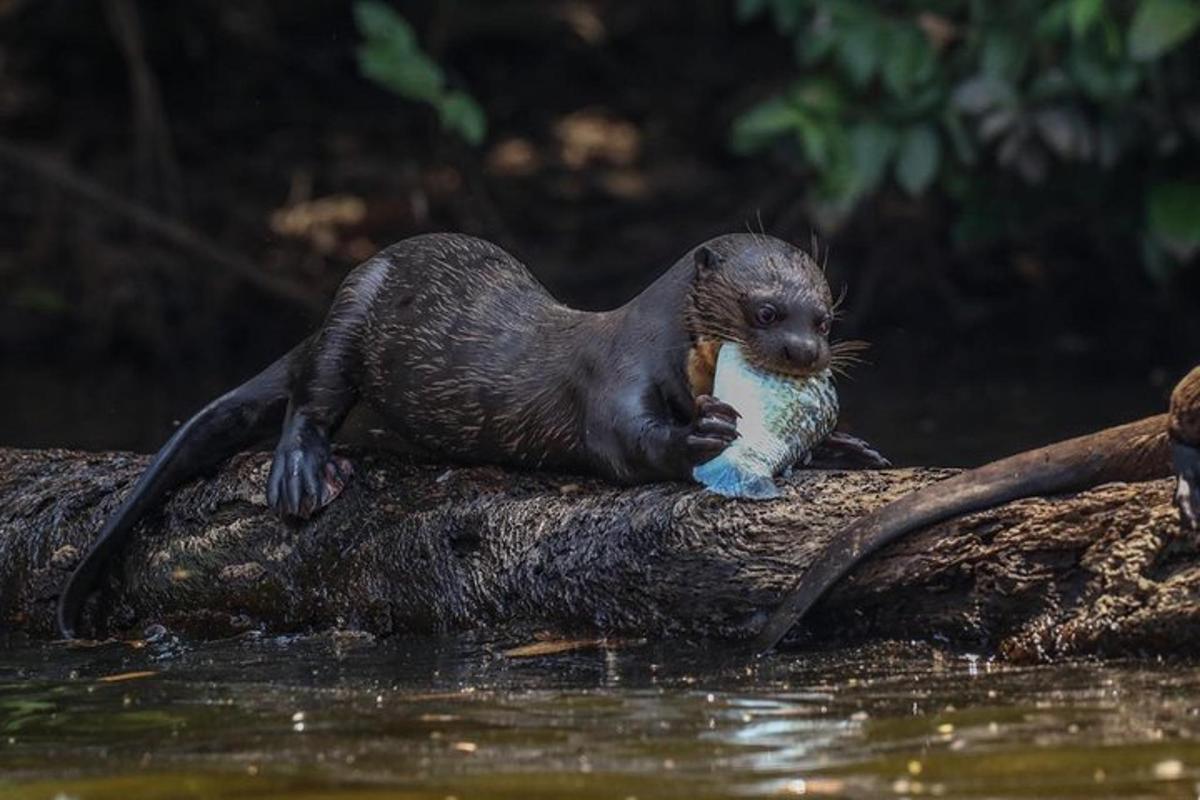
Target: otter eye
{"points": [[822, 324], [766, 314]]}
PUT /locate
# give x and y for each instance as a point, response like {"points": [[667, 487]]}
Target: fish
{"points": [[782, 418]]}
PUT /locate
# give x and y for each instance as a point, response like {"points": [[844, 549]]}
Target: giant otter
{"points": [[1137, 451], [463, 352]]}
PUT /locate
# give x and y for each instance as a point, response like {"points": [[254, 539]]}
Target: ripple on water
{"points": [[454, 717]]}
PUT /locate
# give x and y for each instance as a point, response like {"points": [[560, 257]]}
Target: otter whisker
{"points": [[835, 309], [719, 331], [819, 254], [843, 369], [849, 346]]}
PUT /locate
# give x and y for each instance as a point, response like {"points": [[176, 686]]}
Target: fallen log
{"points": [[412, 548]]}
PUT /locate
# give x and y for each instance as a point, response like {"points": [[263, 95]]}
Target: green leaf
{"points": [[1054, 20], [907, 60], [1100, 80], [460, 113], [391, 56], [815, 141], [764, 124], [1173, 215], [960, 138], [925, 101], [379, 21], [410, 75], [746, 10], [918, 158], [837, 175], [815, 44], [1160, 25], [821, 97], [858, 50], [1004, 55], [787, 14], [1084, 14], [871, 147]]}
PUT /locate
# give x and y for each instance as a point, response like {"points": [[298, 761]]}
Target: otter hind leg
{"points": [[324, 384]]}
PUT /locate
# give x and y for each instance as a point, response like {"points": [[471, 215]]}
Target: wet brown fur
{"points": [[716, 305], [458, 348], [702, 365]]}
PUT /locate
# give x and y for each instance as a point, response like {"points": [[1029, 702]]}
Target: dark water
{"points": [[420, 718]]}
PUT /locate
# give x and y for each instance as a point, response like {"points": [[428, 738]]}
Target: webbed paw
{"points": [[305, 476], [843, 451], [714, 429]]}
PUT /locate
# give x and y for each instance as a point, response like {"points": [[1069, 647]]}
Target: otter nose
{"points": [[802, 352]]}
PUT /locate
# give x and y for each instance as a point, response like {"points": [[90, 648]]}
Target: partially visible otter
{"points": [[1137, 451], [464, 353]]}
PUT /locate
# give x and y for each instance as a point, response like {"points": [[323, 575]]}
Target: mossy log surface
{"points": [[412, 548]]}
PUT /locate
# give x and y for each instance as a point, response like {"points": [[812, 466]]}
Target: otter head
{"points": [[766, 295]]}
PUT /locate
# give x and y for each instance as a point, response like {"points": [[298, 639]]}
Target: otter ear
{"points": [[707, 262]]}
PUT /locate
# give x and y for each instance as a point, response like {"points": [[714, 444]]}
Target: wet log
{"points": [[411, 548]]}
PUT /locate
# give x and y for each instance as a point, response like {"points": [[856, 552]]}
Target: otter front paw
{"points": [[305, 477], [714, 429]]}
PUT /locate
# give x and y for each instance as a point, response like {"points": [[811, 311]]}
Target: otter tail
{"points": [[226, 425], [1132, 452]]}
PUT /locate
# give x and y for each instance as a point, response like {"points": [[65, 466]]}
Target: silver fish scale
{"points": [[782, 419]]}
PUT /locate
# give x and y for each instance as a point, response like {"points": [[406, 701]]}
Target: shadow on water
{"points": [[455, 717]]}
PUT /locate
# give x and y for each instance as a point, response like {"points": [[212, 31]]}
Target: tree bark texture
{"points": [[411, 548]]}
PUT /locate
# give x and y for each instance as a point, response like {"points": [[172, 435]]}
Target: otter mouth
{"points": [[788, 370], [793, 372]]}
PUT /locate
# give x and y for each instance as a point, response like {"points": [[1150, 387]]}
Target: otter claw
{"points": [[843, 451], [304, 476], [709, 406], [337, 473], [714, 429]]}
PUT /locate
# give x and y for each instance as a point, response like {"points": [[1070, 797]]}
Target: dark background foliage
{"points": [[1007, 201]]}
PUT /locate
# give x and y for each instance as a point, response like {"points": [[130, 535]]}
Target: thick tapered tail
{"points": [[1133, 452], [224, 426]]}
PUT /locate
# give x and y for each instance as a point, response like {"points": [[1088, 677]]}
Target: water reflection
{"points": [[342, 717]]}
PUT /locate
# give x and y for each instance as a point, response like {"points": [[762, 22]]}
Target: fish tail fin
{"points": [[722, 476]]}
